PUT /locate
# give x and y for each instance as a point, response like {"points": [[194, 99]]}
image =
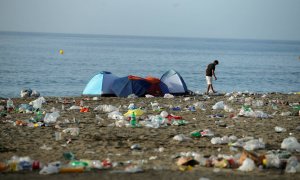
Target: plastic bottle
{"points": [[9, 105], [196, 134], [36, 165], [3, 167], [25, 165], [39, 116], [133, 121], [79, 164]]}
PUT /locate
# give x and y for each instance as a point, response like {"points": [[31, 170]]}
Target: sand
{"points": [[157, 151]]}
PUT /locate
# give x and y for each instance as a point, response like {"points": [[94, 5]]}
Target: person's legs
{"points": [[208, 87], [212, 88], [209, 83]]}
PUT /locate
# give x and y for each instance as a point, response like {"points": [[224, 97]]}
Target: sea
{"points": [[33, 60]]}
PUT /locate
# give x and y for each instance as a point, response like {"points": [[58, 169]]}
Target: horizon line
{"points": [[147, 36]]}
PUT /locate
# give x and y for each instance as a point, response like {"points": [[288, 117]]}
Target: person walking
{"points": [[210, 71]]}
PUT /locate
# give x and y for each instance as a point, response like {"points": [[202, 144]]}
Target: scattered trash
{"points": [[29, 93], [181, 137], [157, 117], [207, 133], [37, 104], [44, 147], [279, 129], [168, 96], [137, 112], [51, 117], [248, 165], [292, 165], [220, 140], [286, 113], [218, 105], [136, 147], [72, 131], [254, 144], [106, 108], [290, 144]]}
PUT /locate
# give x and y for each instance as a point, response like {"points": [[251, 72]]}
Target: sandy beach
{"points": [[147, 152]]}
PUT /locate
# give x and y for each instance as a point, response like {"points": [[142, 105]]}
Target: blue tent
{"points": [[174, 82], [125, 86], [100, 84]]}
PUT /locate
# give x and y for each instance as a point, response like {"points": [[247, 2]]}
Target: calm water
{"points": [[31, 60]]}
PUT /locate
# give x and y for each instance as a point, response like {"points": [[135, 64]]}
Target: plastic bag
{"points": [[257, 103], [168, 96], [292, 165], [35, 93], [51, 117], [137, 112], [26, 93], [149, 96], [52, 168], [248, 165], [106, 108], [220, 140], [290, 144], [279, 129], [200, 105], [181, 137], [37, 104], [74, 107], [228, 108], [164, 114], [116, 115], [72, 131], [272, 160], [157, 121], [132, 96], [254, 144], [218, 105]]}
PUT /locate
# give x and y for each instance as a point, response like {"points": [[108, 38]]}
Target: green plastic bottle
{"points": [[79, 164], [196, 134], [133, 120]]}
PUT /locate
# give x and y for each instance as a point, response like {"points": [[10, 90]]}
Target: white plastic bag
{"points": [[74, 107], [220, 140], [168, 96], [37, 104], [292, 165], [106, 108], [116, 115], [248, 165], [254, 144], [51, 117], [164, 114], [72, 131], [290, 144], [218, 105], [181, 137]]}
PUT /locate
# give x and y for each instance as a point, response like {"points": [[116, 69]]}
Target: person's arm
{"points": [[213, 73]]}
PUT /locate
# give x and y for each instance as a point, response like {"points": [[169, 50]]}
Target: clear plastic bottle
{"points": [[9, 105]]}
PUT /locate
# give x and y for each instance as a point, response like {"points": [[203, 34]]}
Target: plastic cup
{"points": [[58, 136]]}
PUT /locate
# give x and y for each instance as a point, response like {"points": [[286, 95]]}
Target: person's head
{"points": [[216, 62]]}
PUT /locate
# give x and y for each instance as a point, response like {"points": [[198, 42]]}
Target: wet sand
{"points": [[98, 139]]}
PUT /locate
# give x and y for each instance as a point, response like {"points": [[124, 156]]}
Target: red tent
{"points": [[154, 89]]}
